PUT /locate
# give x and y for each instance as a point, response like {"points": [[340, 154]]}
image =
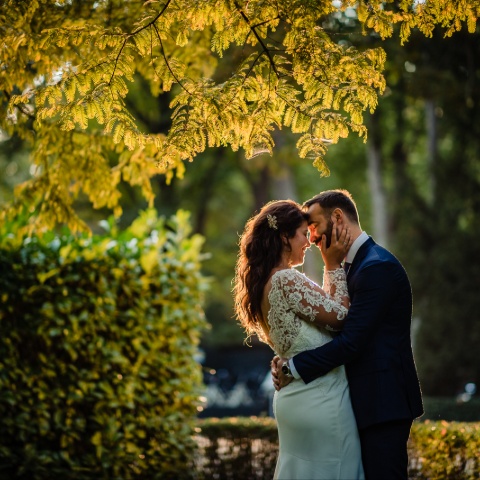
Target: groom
{"points": [[374, 345]]}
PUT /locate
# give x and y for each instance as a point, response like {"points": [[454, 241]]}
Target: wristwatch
{"points": [[286, 369]]}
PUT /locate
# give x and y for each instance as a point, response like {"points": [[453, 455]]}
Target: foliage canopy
{"points": [[235, 71]]}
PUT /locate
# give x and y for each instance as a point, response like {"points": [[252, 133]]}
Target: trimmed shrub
{"points": [[446, 408], [232, 448], [97, 345], [445, 450], [237, 447]]}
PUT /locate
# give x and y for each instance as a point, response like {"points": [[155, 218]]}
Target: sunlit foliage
{"points": [[67, 66]]}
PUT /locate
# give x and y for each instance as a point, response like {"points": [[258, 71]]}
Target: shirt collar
{"points": [[359, 241]]}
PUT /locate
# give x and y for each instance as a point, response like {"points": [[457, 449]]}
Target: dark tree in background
{"points": [[428, 126]]}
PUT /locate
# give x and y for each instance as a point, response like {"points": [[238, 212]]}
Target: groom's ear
{"points": [[338, 215]]}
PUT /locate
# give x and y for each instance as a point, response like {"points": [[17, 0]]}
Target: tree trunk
{"points": [[208, 190], [283, 185], [432, 146], [283, 188], [374, 174]]}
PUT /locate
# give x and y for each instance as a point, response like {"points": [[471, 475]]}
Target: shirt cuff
{"points": [[293, 369]]}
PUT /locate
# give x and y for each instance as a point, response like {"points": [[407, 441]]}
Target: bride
{"points": [[318, 436]]}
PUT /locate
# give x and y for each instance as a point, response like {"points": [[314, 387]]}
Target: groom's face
{"points": [[319, 224]]}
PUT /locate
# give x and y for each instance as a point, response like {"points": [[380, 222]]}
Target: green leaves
{"points": [[97, 348], [236, 70]]}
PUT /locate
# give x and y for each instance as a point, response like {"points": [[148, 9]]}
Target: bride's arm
{"points": [[335, 284], [312, 303], [334, 276]]}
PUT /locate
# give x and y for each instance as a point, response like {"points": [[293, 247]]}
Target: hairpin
{"points": [[272, 221]]}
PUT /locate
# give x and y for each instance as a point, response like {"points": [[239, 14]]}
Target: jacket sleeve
{"points": [[374, 290]]}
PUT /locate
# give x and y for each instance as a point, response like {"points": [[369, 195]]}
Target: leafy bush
{"points": [[445, 450], [232, 448], [97, 344], [237, 447]]}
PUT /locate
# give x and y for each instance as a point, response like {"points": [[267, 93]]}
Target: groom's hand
{"points": [[340, 243], [279, 379]]}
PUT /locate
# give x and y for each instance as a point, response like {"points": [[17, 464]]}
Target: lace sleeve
{"points": [[284, 324], [309, 301], [335, 283]]}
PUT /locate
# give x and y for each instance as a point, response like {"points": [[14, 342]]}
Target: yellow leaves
{"points": [[321, 166], [309, 146], [118, 88], [300, 122], [220, 42], [69, 89], [43, 277], [182, 38], [19, 100], [103, 38], [79, 116], [101, 41], [471, 21], [405, 30], [144, 41], [124, 131], [131, 139], [65, 251], [118, 132], [288, 116], [96, 440], [149, 260], [377, 57], [84, 65]]}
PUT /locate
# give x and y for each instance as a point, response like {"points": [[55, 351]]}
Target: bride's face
{"points": [[299, 244]]}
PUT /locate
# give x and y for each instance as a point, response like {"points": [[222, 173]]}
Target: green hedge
{"points": [[97, 344], [442, 408], [232, 448], [237, 447]]}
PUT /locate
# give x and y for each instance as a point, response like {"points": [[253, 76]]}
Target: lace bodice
{"points": [[299, 308]]}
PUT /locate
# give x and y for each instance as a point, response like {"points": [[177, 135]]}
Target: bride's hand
{"points": [[339, 246]]}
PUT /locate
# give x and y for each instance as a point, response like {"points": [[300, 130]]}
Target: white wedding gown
{"points": [[318, 437]]}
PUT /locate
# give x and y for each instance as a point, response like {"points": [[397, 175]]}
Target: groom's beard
{"points": [[328, 233]]}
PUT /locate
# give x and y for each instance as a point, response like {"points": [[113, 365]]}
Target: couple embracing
{"points": [[346, 385]]}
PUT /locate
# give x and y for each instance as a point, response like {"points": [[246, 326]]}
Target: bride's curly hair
{"points": [[261, 247]]}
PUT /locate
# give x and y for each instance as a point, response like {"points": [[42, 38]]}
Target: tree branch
{"points": [[138, 30], [266, 51], [166, 61], [19, 107]]}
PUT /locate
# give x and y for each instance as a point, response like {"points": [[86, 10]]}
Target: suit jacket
{"points": [[375, 343]]}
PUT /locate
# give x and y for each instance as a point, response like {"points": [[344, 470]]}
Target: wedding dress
{"points": [[318, 437]]}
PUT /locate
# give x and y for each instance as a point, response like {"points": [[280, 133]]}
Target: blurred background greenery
{"points": [[416, 182]]}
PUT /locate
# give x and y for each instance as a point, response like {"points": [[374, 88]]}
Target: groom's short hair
{"points": [[329, 200]]}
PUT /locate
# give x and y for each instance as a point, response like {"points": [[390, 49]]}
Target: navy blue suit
{"points": [[375, 347]]}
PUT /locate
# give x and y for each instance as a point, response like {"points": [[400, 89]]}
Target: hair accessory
{"points": [[272, 221]]}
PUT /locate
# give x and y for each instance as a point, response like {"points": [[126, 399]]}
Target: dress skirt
{"points": [[318, 436]]}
